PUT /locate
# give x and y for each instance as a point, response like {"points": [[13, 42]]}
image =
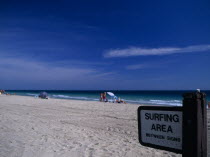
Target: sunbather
{"points": [[120, 101]]}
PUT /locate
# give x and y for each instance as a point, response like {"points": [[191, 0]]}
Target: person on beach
{"points": [[104, 97], [101, 97], [2, 91], [118, 100]]}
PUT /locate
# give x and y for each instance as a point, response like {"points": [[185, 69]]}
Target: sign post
{"points": [[176, 129], [194, 125]]}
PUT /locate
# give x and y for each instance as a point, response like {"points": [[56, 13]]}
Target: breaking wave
{"points": [[30, 94], [134, 101], [156, 102], [73, 97], [167, 102]]}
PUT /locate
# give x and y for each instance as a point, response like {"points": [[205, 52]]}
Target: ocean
{"points": [[168, 98]]}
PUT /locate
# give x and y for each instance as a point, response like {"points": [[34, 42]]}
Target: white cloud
{"points": [[138, 51], [23, 73], [137, 66], [27, 69]]}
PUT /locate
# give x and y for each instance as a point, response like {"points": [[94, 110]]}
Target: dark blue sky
{"points": [[104, 44]]}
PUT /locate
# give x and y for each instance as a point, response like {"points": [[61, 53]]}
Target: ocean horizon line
{"points": [[105, 89]]}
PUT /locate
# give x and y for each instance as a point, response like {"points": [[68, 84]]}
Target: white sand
{"points": [[32, 127]]}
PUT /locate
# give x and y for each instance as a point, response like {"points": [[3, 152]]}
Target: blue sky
{"points": [[134, 45]]}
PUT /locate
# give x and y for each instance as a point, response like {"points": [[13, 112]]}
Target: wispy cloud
{"points": [[139, 51], [151, 65], [30, 69], [21, 73], [137, 66]]}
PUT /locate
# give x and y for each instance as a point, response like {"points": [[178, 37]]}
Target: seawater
{"points": [[169, 98]]}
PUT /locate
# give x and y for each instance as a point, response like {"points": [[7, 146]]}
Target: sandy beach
{"points": [[32, 127]]}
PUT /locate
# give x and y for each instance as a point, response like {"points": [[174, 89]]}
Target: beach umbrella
{"points": [[110, 94], [43, 95]]}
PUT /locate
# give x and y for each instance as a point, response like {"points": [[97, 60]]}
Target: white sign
{"points": [[161, 128]]}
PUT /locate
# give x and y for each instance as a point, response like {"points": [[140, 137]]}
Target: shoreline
{"points": [[51, 98], [73, 99], [59, 127], [128, 101]]}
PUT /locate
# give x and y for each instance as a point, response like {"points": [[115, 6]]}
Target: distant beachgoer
{"points": [[43, 95], [120, 101], [104, 97], [101, 97], [2, 91]]}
